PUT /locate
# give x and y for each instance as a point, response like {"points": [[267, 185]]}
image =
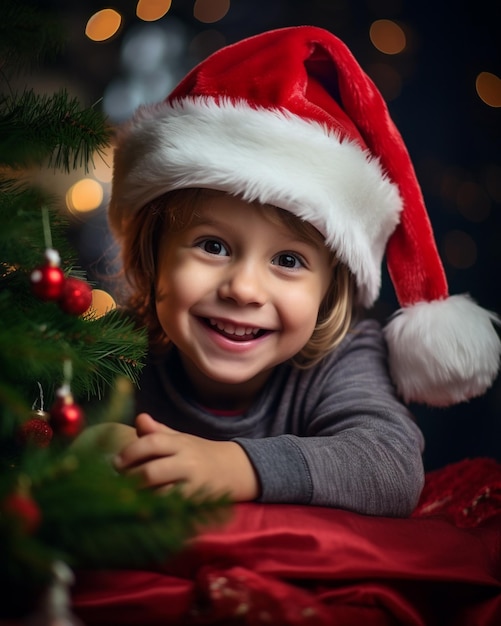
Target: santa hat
{"points": [[289, 118]]}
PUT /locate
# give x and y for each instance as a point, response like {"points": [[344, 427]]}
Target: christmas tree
{"points": [[62, 504]]}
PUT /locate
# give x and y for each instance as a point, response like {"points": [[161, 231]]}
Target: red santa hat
{"points": [[289, 118]]}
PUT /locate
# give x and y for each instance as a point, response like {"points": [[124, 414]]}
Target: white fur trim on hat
{"points": [[268, 155], [443, 352]]}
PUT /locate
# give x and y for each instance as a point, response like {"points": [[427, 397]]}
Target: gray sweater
{"points": [[333, 435]]}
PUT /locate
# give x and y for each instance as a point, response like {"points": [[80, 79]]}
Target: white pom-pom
{"points": [[443, 352]]}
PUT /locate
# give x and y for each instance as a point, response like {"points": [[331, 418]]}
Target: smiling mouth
{"points": [[233, 331]]}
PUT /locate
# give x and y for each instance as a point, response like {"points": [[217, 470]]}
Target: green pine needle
{"points": [[35, 128], [93, 517], [89, 516]]}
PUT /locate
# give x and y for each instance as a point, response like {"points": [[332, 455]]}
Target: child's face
{"points": [[237, 293]]}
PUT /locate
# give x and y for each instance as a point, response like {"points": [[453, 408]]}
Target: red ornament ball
{"points": [[47, 282], [76, 296], [66, 417], [36, 430], [24, 509]]}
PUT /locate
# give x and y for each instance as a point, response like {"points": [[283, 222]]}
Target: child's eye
{"points": [[213, 246], [288, 260]]}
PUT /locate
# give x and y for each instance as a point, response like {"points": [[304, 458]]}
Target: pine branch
{"points": [[94, 517], [22, 242], [35, 128], [43, 337], [63, 502]]}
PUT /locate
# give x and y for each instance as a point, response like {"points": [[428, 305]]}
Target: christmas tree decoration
{"points": [[55, 609], [73, 506], [66, 417], [22, 509], [36, 430], [47, 281], [76, 296]]}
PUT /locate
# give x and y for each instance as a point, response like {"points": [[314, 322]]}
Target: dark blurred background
{"points": [[438, 64]]}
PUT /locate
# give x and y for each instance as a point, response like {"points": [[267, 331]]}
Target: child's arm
{"points": [[352, 444], [162, 457]]}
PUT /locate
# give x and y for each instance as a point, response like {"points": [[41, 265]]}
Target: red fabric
{"points": [[285, 564], [467, 493]]}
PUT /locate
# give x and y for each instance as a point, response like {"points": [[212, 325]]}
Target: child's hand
{"points": [[163, 457]]}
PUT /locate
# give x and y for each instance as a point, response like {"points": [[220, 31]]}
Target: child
{"points": [[253, 208]]}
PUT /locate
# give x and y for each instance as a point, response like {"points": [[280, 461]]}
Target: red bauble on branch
{"points": [[24, 509], [36, 430], [47, 281], [66, 418], [76, 296]]}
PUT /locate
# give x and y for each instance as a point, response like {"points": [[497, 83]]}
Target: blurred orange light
{"points": [[103, 25], [101, 303], [489, 88], [85, 195], [387, 36], [151, 10], [209, 11]]}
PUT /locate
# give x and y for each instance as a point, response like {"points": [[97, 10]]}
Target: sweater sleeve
{"points": [[354, 444]]}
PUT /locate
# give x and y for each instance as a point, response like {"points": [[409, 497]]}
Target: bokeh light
{"points": [[489, 88], [85, 195], [103, 25], [102, 303], [151, 10], [153, 59], [148, 47], [209, 11], [387, 36]]}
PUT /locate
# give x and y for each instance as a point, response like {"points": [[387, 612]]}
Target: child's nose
{"points": [[244, 284]]}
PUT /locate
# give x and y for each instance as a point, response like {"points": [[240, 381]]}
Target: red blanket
{"points": [[285, 564]]}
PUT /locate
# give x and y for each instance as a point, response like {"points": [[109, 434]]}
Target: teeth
{"points": [[231, 329]]}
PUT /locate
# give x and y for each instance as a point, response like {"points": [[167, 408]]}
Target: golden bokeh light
{"points": [[387, 36], [85, 195], [209, 11], [459, 249], [489, 88], [103, 25], [102, 303], [151, 10]]}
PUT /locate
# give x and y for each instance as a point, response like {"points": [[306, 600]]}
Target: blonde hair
{"points": [[174, 211]]}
